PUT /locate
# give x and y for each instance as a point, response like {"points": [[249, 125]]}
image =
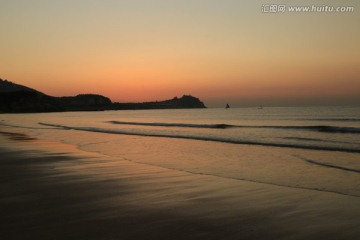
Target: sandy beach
{"points": [[51, 190]]}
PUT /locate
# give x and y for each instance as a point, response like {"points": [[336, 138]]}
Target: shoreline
{"points": [[53, 190]]}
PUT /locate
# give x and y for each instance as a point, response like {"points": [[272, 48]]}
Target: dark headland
{"points": [[15, 98]]}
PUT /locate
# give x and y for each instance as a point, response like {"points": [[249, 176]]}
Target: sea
{"points": [[312, 148]]}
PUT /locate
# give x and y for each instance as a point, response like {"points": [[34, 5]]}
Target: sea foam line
{"points": [[201, 138], [328, 165], [320, 128], [246, 179], [190, 125]]}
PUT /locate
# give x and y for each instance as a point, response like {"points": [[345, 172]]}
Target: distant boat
{"points": [[227, 106]]}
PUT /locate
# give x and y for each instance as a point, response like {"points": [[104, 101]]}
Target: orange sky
{"points": [[220, 51]]}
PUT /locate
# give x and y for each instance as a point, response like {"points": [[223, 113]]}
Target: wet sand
{"points": [[50, 190]]}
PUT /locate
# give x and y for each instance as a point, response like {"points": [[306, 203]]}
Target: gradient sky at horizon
{"points": [[224, 51]]}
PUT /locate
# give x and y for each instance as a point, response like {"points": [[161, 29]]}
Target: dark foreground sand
{"points": [[53, 191]]}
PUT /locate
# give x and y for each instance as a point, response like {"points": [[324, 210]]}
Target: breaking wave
{"points": [[139, 132], [322, 128], [328, 165], [190, 125]]}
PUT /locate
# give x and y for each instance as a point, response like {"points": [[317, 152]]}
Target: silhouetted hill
{"points": [[85, 102], [185, 101], [7, 86], [28, 101], [16, 98]]}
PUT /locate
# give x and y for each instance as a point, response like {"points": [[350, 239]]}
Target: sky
{"points": [[222, 51]]}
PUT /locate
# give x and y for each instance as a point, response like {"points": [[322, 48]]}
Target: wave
{"points": [[246, 179], [327, 129], [17, 126], [332, 119], [313, 139], [327, 165], [202, 138], [323, 128], [190, 125]]}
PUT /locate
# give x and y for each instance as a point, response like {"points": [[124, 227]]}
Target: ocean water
{"points": [[315, 149]]}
